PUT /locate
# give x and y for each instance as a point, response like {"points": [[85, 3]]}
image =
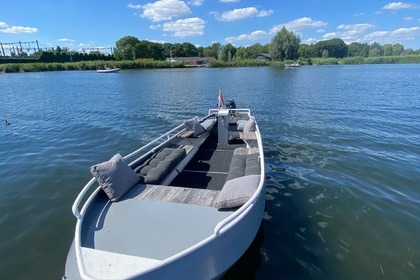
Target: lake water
{"points": [[342, 148]]}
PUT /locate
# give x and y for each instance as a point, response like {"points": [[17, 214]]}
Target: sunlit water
{"points": [[342, 148]]}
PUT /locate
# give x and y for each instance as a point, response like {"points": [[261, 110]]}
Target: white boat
{"points": [[108, 70], [292, 65], [187, 206]]}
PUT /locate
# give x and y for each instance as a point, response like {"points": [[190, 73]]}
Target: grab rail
{"points": [[167, 136]]}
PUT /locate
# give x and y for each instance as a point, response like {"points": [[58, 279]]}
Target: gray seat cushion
{"points": [[243, 165], [159, 166], [237, 192], [208, 124], [115, 177], [240, 125], [194, 126]]}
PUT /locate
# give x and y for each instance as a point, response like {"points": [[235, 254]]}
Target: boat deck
{"points": [[209, 167]]}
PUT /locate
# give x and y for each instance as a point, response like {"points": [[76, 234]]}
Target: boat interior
{"points": [[173, 206]]}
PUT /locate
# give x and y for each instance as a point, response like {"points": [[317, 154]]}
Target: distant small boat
{"points": [[292, 65], [108, 70]]}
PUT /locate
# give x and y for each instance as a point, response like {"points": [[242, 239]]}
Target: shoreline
{"points": [[150, 64]]}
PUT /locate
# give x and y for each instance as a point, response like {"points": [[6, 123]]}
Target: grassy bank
{"points": [[145, 63], [85, 65], [362, 60]]}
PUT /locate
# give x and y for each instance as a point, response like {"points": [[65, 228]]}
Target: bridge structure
{"points": [[19, 50], [102, 50]]}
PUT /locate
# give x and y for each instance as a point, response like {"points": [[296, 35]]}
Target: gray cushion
{"points": [[243, 165], [237, 192], [157, 168], [194, 126], [208, 124], [115, 177], [241, 124], [250, 125]]}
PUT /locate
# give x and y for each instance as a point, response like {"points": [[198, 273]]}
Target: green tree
{"points": [[284, 45], [228, 52], [358, 49], [398, 49], [306, 51], [125, 48], [213, 51], [375, 49], [335, 47]]}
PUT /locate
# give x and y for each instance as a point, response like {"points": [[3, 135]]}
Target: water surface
{"points": [[341, 143]]}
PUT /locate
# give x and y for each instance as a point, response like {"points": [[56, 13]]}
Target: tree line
{"points": [[285, 45]]}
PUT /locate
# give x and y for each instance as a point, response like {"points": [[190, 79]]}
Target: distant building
{"points": [[191, 61], [264, 56]]}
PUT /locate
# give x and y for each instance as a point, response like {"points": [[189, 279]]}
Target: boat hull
{"points": [[174, 230], [114, 70]]}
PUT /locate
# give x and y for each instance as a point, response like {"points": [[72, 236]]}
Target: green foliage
{"points": [[334, 48], [324, 61], [238, 63], [228, 52], [86, 65], [278, 64], [284, 45], [125, 48], [358, 49]]}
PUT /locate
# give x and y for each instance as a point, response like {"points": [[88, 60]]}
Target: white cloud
{"points": [[310, 41], [163, 10], [84, 45], [229, 1], [3, 24], [65, 40], [136, 7], [196, 2], [238, 14], [185, 27], [408, 18], [397, 6], [19, 29], [351, 32], [154, 27], [396, 36], [264, 13], [358, 27], [256, 35], [299, 24]]}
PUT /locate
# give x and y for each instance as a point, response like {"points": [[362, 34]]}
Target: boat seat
{"points": [[242, 180], [247, 132], [156, 168], [195, 128], [244, 162]]}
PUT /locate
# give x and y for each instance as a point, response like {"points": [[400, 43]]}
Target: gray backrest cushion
{"points": [[237, 192], [243, 165], [241, 124], [114, 176], [250, 125], [194, 125]]}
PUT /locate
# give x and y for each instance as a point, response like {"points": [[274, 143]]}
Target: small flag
{"points": [[221, 100]]}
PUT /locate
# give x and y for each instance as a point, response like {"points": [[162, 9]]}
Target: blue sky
{"points": [[80, 24]]}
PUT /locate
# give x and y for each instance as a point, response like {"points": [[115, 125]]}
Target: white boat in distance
{"points": [[292, 65], [187, 206], [108, 70]]}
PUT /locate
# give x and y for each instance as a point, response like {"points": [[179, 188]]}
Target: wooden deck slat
{"points": [[175, 194]]}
